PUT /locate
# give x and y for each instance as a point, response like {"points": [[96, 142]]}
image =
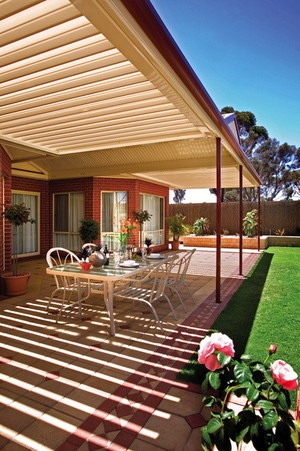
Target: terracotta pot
{"points": [[175, 245], [15, 285]]}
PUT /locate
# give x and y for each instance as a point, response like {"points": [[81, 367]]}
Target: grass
{"points": [[264, 310]]}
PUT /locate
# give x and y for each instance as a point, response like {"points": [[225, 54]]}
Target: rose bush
{"points": [[265, 419]]}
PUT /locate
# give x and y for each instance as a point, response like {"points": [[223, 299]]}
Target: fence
{"points": [[282, 215]]}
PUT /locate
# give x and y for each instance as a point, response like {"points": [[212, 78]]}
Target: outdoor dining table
{"points": [[108, 275]]}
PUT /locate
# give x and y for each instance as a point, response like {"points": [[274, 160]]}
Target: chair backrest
{"points": [[182, 264], [60, 256], [162, 273]]}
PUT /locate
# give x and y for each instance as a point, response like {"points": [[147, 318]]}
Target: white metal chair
{"points": [[66, 287], [180, 268], [150, 288]]}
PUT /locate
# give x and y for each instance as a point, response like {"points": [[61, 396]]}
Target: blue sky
{"points": [[247, 55]]}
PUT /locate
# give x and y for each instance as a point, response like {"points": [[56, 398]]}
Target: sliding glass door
{"points": [[68, 211], [154, 228], [113, 210]]}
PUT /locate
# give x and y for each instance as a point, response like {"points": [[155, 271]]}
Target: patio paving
{"points": [[71, 386]]}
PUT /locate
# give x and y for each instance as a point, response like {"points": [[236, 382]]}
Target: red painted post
{"points": [[241, 219], [258, 219], [218, 219]]}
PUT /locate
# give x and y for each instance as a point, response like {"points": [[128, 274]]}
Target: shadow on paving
{"points": [[237, 319]]}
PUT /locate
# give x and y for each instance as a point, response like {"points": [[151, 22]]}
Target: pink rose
{"points": [[214, 342], [284, 375], [272, 349]]}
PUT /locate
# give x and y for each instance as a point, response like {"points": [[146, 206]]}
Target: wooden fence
{"points": [[282, 215]]}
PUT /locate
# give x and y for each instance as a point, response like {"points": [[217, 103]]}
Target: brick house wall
{"points": [[92, 188], [5, 227]]}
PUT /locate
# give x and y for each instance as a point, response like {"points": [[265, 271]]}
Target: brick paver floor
{"points": [[71, 386]]}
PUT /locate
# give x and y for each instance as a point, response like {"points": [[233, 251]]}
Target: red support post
{"points": [[241, 220], [258, 219], [218, 219]]}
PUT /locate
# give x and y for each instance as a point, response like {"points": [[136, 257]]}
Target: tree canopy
{"points": [[179, 195], [278, 165]]}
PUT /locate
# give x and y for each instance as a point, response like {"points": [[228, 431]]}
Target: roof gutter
{"points": [[147, 18]]}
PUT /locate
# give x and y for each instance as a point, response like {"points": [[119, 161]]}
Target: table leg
{"points": [[109, 296]]}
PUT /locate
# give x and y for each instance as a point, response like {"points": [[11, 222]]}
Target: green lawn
{"points": [[264, 310]]}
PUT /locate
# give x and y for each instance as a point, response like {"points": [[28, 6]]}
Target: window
{"points": [[113, 210], [28, 234], [68, 211], [154, 228]]}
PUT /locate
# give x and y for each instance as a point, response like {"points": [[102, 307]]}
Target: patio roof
{"points": [[99, 88]]}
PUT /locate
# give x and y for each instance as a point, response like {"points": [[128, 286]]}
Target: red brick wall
{"points": [[38, 186], [92, 188], [5, 227]]}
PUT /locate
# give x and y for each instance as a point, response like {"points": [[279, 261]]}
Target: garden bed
{"points": [[228, 241], [233, 241]]}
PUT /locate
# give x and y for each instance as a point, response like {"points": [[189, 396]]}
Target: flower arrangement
{"points": [[265, 419], [125, 232]]}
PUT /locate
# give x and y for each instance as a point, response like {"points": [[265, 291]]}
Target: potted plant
{"points": [[15, 281], [141, 216], [201, 226], [177, 229], [89, 230], [250, 223]]}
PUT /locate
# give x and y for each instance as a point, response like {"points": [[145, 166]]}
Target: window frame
{"points": [[112, 233], [162, 231], [68, 234], [37, 223]]}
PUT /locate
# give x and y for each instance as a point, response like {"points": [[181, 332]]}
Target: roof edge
{"points": [[148, 19]]}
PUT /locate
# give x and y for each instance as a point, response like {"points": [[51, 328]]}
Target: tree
{"points": [[251, 135], [179, 195], [278, 165]]}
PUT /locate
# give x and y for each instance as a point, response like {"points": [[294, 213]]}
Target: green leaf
{"points": [[209, 400], [246, 358], [242, 373], [204, 385], [252, 393], [223, 359], [214, 380], [213, 425], [206, 441], [241, 434], [265, 405], [282, 401], [270, 420]]}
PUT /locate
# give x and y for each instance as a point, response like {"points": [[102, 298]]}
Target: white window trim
{"points": [[144, 233], [38, 195]]}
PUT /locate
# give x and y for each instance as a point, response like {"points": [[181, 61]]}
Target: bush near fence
{"points": [[277, 215]]}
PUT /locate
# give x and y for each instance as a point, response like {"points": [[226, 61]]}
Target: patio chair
{"points": [[66, 287], [150, 288], [180, 268]]}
